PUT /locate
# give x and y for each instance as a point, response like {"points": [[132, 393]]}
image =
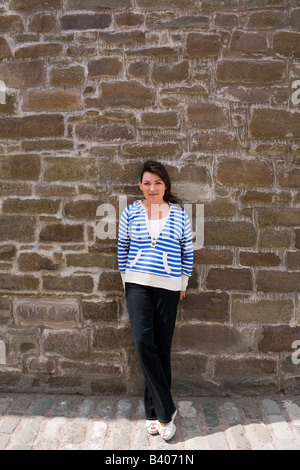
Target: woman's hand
{"points": [[182, 294]]}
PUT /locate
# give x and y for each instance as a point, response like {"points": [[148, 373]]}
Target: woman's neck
{"points": [[156, 211]]}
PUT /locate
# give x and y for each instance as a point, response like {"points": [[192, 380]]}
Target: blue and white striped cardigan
{"points": [[164, 261]]}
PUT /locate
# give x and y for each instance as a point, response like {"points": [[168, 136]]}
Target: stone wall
{"points": [[92, 89]]}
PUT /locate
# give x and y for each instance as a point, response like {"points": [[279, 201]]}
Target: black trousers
{"points": [[152, 312]]}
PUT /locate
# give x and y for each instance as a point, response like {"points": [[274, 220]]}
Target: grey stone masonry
{"points": [[89, 90]]}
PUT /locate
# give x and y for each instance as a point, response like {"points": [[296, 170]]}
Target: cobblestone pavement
{"points": [[58, 422]]}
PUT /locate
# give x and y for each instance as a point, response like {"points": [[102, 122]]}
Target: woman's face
{"points": [[153, 188]]}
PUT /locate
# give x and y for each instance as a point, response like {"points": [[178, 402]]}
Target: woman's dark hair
{"points": [[158, 168]]}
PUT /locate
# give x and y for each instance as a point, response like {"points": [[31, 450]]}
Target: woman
{"points": [[155, 256]]}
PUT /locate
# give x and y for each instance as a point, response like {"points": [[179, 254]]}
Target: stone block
{"points": [[297, 241], [24, 167], [184, 22], [206, 338], [294, 19], [203, 45], [82, 209], [226, 233], [167, 120], [112, 337], [229, 279], [206, 115], [226, 20], [96, 5], [12, 282], [110, 281], [131, 38], [35, 5], [249, 173], [39, 50], [206, 306], [278, 281], [94, 260], [35, 262], [17, 227], [59, 233], [266, 20], [165, 73], [278, 338], [158, 52], [42, 23], [211, 256], [106, 66], [23, 74], [139, 69], [11, 23], [7, 252], [99, 132], [81, 284], [166, 4], [275, 124], [289, 217], [252, 72], [85, 21], [101, 311], [125, 94], [5, 51], [119, 172], [29, 127], [52, 100], [289, 178], [220, 208], [129, 19], [31, 206], [67, 76], [188, 364], [248, 43], [253, 372], [70, 169], [262, 258], [41, 311], [263, 311], [151, 151], [66, 343], [214, 142], [272, 239], [287, 44]]}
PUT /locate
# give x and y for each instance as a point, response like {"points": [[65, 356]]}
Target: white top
{"points": [[155, 226]]}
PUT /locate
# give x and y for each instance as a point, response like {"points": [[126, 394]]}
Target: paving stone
{"points": [[211, 414], [236, 438], [112, 423], [257, 435], [231, 412], [41, 406], [271, 407], [9, 424], [4, 438], [281, 428], [4, 404], [30, 430], [217, 441]]}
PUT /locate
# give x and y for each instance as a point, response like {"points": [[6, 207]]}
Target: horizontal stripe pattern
{"points": [[170, 258]]}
